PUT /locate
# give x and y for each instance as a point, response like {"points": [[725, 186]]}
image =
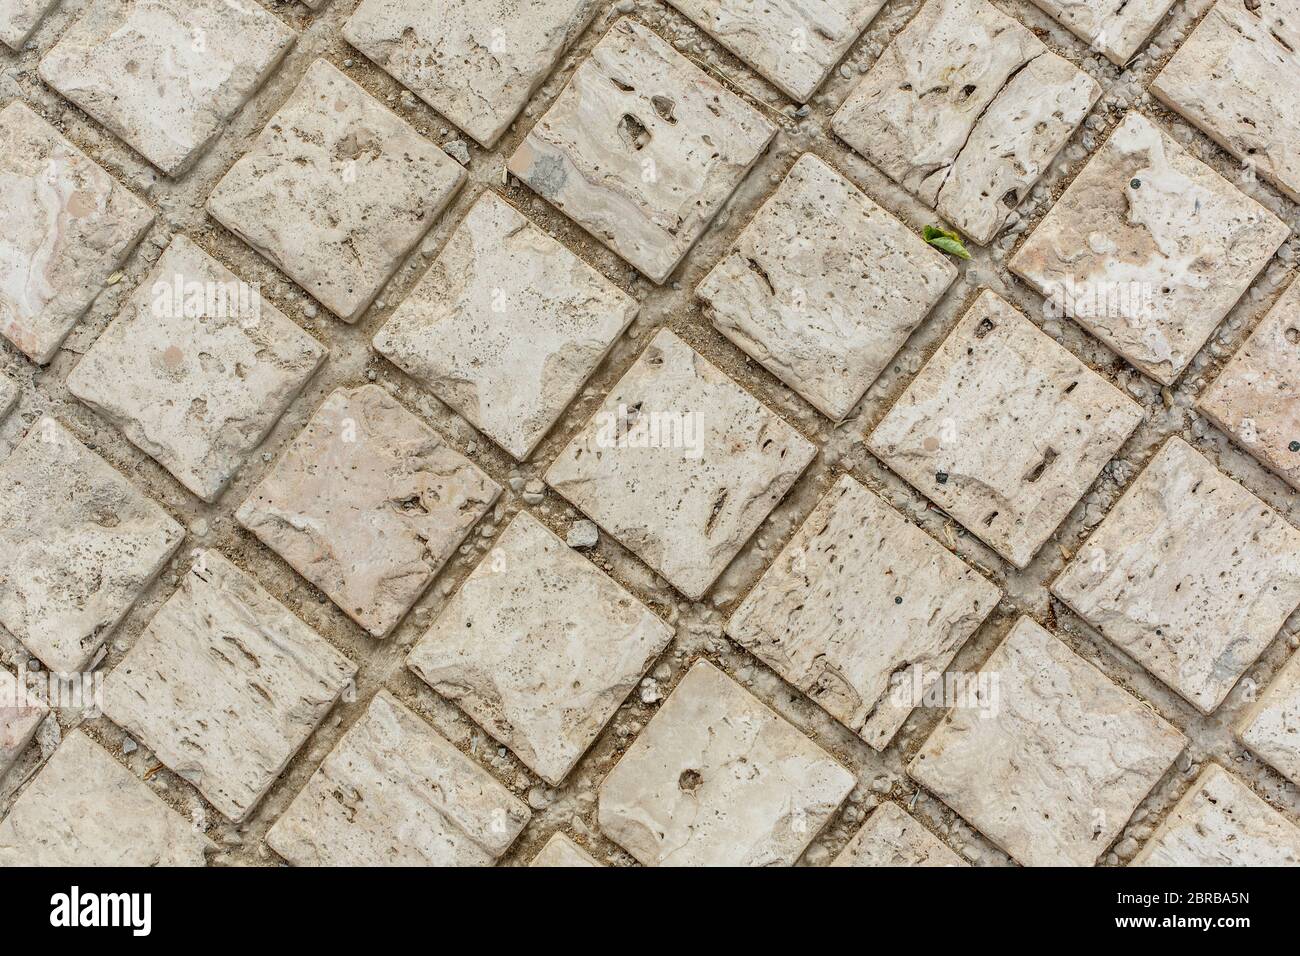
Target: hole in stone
{"points": [[1292, 335], [633, 132], [664, 107], [625, 87], [689, 781], [985, 327]]}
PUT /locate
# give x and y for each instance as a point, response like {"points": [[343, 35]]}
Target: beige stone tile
{"points": [[78, 545], [718, 779], [336, 191], [197, 368], [506, 326], [20, 18], [539, 647], [368, 503], [642, 148], [1004, 429], [166, 75], [892, 838], [86, 809], [1190, 575], [1117, 28], [1148, 249], [1237, 77], [8, 397], [225, 685], [21, 714], [562, 851], [1270, 727], [823, 287], [396, 793], [861, 607], [1222, 822], [68, 226], [966, 109], [794, 45], [1256, 399], [476, 63], [680, 464], [1055, 772]]}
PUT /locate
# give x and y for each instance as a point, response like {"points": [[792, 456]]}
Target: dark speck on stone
{"points": [[1294, 446], [898, 600], [1136, 184], [941, 477]]}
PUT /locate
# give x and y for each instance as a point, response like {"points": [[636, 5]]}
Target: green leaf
{"points": [[948, 242]]}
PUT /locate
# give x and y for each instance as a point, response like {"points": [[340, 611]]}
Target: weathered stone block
{"points": [[1117, 28], [890, 837], [1270, 727], [21, 714], [562, 851]]}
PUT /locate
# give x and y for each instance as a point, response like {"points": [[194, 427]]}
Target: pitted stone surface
{"points": [[336, 191], [1256, 399], [1271, 725], [1052, 771], [477, 62], [86, 809], [891, 837], [1004, 429], [1236, 77], [20, 18], [506, 326], [68, 226], [1222, 822], [562, 851], [78, 545], [21, 714], [718, 779], [1189, 574], [539, 647], [1149, 248], [966, 109], [396, 793], [225, 685], [860, 608], [197, 369], [680, 464], [1117, 28], [368, 504], [790, 43], [8, 397], [823, 287], [166, 75], [642, 149]]}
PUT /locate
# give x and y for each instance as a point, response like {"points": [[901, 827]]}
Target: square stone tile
{"points": [[20, 18], [1004, 429], [1271, 726], [506, 326], [563, 852], [163, 75], [197, 368], [966, 109], [367, 504], [642, 148], [793, 45], [891, 837], [8, 396], [394, 792], [1054, 769], [225, 685], [1190, 575], [859, 607], [823, 287], [1256, 399], [336, 191], [1149, 248], [1117, 28], [1237, 77], [475, 62], [21, 714], [680, 464], [540, 648], [68, 226], [78, 545], [1222, 822], [86, 809], [718, 779]]}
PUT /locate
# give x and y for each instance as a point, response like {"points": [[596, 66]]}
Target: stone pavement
{"points": [[536, 433]]}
